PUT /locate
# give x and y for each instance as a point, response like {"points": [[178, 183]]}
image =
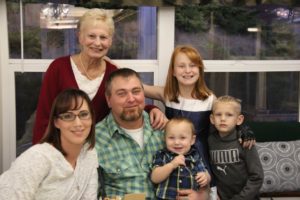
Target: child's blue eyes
{"points": [[226, 115], [172, 138], [95, 36]]}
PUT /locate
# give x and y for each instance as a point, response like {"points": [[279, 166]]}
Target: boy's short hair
{"points": [[228, 99], [179, 119]]}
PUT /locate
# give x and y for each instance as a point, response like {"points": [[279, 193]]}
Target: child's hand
{"points": [[202, 178], [178, 160]]}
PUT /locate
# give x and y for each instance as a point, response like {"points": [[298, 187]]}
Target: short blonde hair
{"points": [[228, 99], [176, 120], [95, 15]]}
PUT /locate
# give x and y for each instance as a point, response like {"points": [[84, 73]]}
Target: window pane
{"points": [[267, 97], [27, 85], [13, 17], [135, 36], [147, 78], [265, 32]]}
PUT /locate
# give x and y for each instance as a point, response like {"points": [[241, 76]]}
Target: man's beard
{"points": [[130, 115]]}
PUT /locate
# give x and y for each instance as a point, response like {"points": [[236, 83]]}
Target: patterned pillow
{"points": [[281, 164]]}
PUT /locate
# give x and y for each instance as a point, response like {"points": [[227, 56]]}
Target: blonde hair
{"points": [[200, 91], [228, 99], [176, 120], [95, 15]]}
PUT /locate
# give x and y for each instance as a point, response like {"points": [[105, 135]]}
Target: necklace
{"points": [[83, 68]]}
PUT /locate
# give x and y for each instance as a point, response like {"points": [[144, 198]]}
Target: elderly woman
{"points": [[64, 165], [87, 70]]}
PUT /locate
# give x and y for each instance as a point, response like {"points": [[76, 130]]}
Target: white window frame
{"points": [[159, 67]]}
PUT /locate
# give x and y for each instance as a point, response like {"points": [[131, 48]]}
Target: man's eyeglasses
{"points": [[69, 116]]}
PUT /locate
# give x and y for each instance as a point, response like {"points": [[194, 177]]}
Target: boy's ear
{"points": [[211, 117], [193, 139], [240, 119]]}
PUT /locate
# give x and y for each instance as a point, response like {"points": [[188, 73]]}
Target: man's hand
{"points": [[246, 136], [189, 194], [158, 119]]}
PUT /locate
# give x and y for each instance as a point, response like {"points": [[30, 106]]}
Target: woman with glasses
{"points": [[64, 164], [87, 70]]}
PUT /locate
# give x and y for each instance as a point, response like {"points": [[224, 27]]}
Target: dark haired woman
{"points": [[64, 164]]}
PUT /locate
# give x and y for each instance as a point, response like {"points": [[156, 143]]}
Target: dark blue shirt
{"points": [[183, 177]]}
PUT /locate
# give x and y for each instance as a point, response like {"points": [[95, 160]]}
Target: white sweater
{"points": [[42, 173]]}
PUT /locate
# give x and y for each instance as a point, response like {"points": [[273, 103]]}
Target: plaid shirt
{"points": [[126, 166], [183, 177]]}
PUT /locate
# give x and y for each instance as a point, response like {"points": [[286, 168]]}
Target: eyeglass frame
{"points": [[73, 116]]}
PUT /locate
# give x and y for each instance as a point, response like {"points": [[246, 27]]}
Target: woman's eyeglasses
{"points": [[69, 116]]}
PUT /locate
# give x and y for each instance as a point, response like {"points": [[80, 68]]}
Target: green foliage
{"points": [[231, 19], [191, 19], [14, 45], [32, 43], [279, 41], [235, 19]]}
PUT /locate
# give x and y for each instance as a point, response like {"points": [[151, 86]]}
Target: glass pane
{"points": [[13, 16], [148, 78], [27, 85], [264, 32], [268, 97], [135, 35]]}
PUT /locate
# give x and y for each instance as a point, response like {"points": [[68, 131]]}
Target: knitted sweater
{"points": [[43, 173]]}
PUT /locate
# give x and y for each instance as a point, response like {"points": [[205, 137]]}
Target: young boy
{"points": [[238, 171], [178, 166]]}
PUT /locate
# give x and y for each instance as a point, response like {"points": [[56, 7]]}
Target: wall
{"points": [[3, 82], [1, 94], [1, 117]]}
